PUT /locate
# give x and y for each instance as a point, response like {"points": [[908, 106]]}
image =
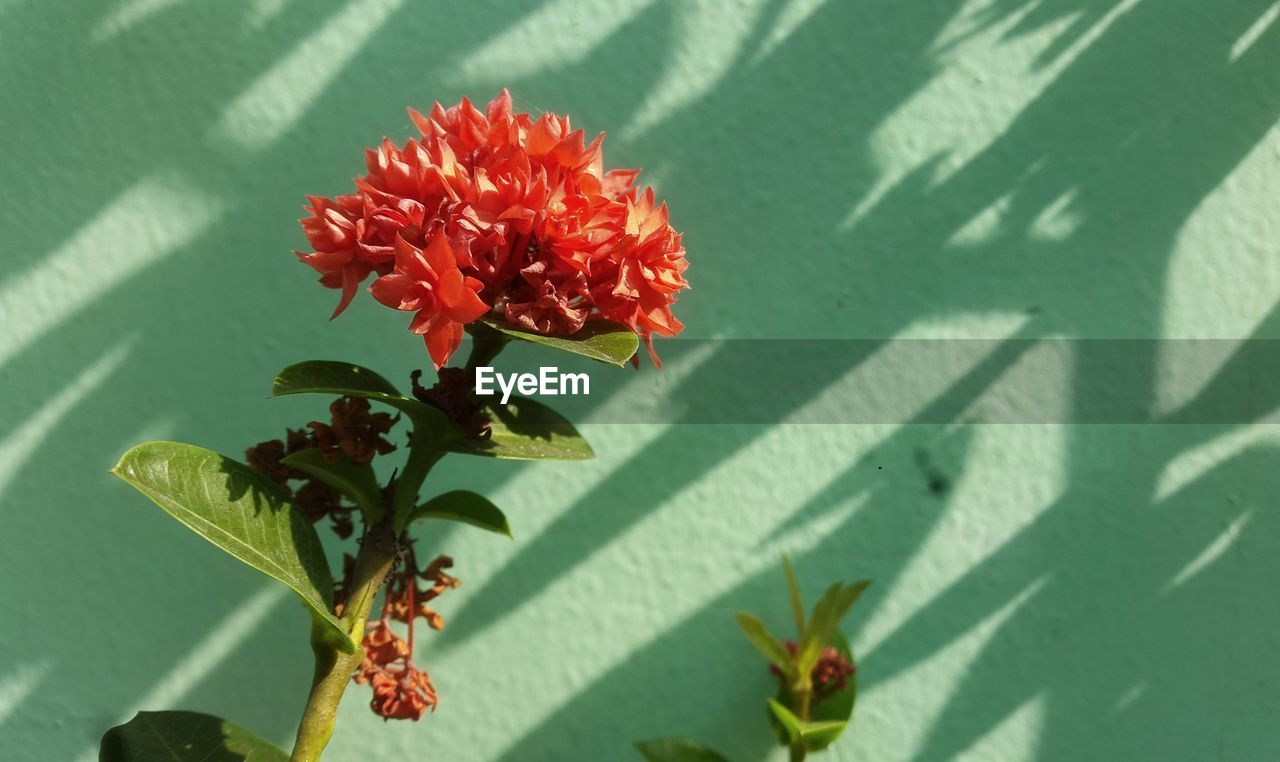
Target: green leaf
{"points": [[765, 643], [826, 616], [787, 720], [601, 340], [344, 378], [814, 736], [811, 643], [676, 750], [467, 507], [240, 511], [526, 430], [817, 736], [184, 737], [355, 480], [797, 602]]}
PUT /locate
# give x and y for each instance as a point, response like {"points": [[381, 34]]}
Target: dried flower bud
{"points": [[354, 432], [403, 693], [452, 396]]}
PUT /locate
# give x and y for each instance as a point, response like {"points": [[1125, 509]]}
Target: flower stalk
{"points": [[333, 667], [494, 223]]}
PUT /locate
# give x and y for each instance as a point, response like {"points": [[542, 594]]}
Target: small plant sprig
{"points": [[816, 672], [491, 223]]}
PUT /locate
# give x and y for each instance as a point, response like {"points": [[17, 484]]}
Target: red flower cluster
{"points": [[499, 212]]}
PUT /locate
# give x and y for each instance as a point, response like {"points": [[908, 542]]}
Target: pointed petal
{"points": [[350, 282]]}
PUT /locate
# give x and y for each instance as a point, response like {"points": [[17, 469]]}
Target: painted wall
{"points": [[870, 169]]}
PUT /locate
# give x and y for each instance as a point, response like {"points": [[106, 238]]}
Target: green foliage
{"points": [[467, 507], [526, 430], [824, 619], [813, 735], [601, 340], [676, 750], [240, 511], [787, 720], [184, 737], [827, 718], [801, 720], [355, 480], [765, 643]]}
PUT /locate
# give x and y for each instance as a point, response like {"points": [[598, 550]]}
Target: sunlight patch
{"points": [[1220, 545], [789, 21], [282, 96], [984, 226], [148, 222], [1195, 462], [708, 42], [1255, 31], [129, 14], [15, 688], [558, 33], [263, 12], [1056, 222], [204, 657], [1016, 737], [19, 445]]}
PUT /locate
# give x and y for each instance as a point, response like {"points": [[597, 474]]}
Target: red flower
{"points": [[430, 284], [534, 227]]}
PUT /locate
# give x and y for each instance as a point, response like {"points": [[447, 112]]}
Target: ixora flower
{"points": [[490, 222], [498, 213]]}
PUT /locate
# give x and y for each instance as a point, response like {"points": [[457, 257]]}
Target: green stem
{"points": [[375, 561], [421, 458], [333, 667], [802, 696]]}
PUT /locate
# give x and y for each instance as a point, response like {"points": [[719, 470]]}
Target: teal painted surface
{"points": [[847, 168]]}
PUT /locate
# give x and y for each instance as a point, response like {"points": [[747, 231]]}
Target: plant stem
{"points": [[802, 696], [333, 667]]}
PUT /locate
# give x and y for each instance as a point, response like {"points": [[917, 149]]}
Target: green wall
{"points": [[871, 169]]}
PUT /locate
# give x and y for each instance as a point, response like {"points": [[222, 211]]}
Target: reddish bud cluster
{"points": [[353, 432], [830, 675], [495, 211]]}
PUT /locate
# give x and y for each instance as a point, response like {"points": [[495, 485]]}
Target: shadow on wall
{"points": [[173, 141]]}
